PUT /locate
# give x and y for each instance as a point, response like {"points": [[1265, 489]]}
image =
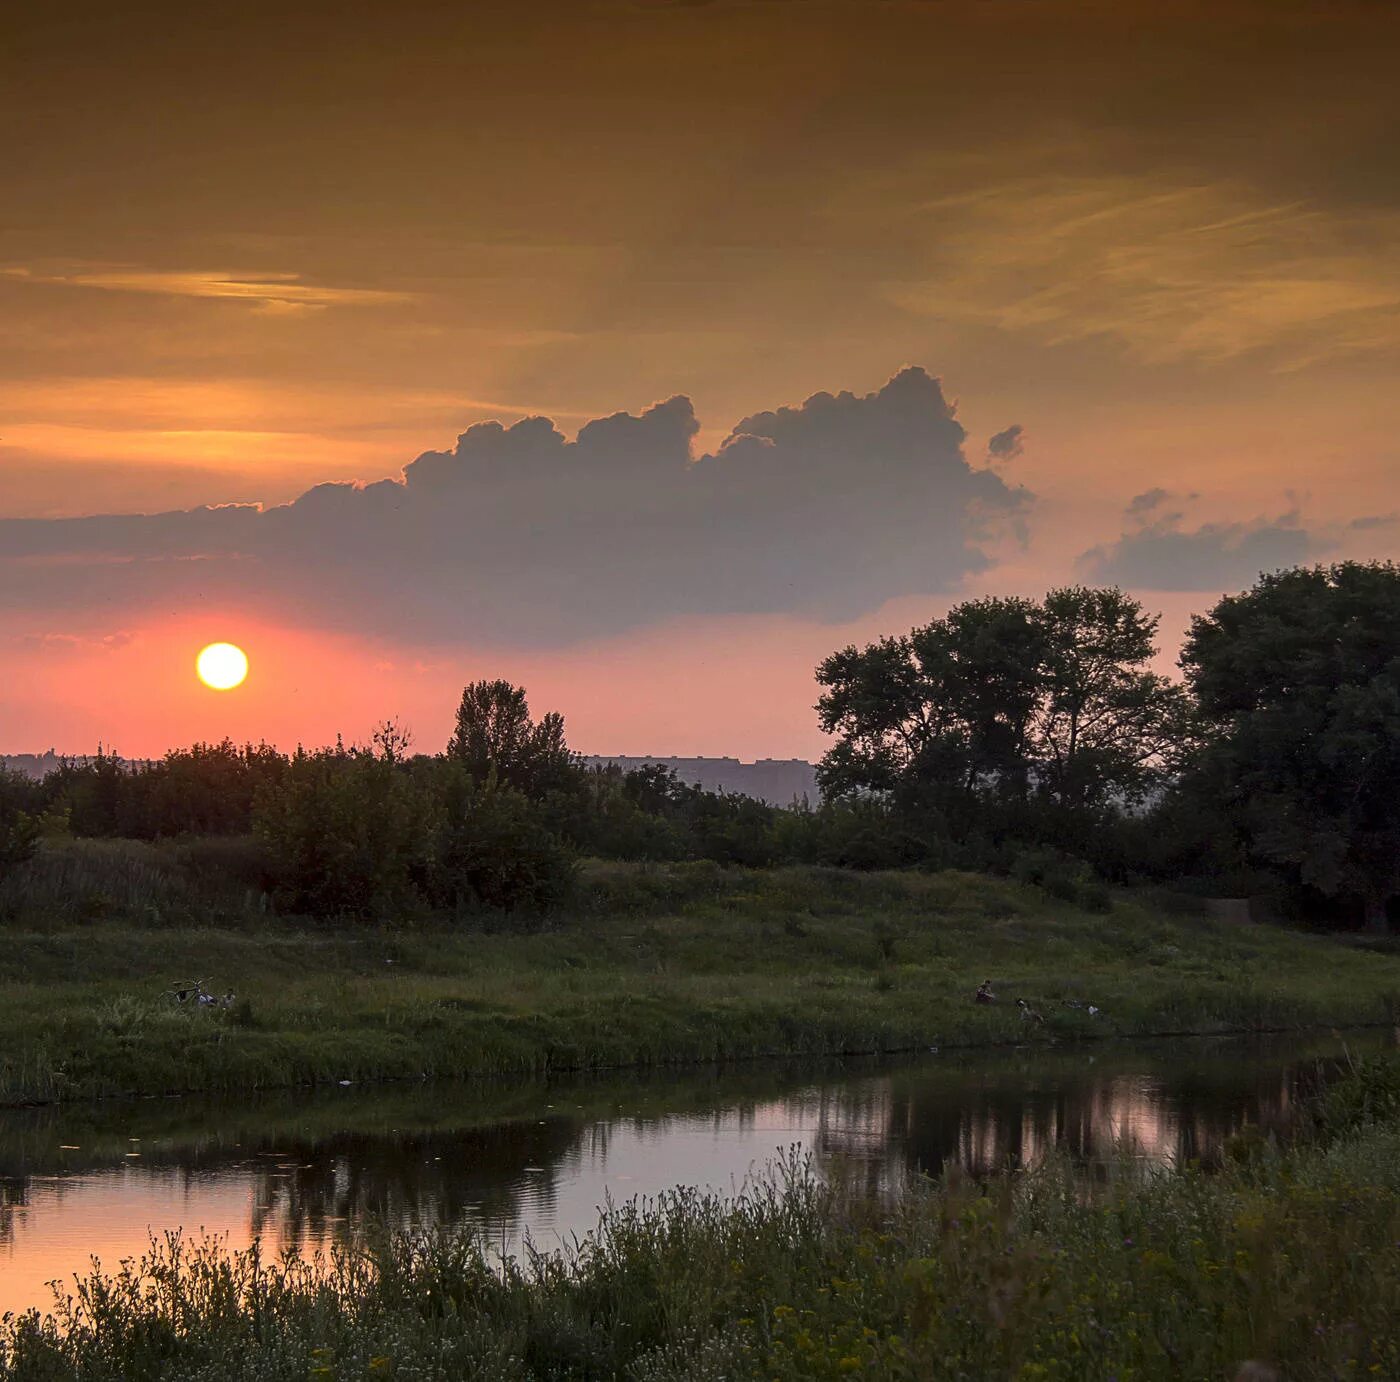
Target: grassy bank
{"points": [[651, 966], [1283, 1265]]}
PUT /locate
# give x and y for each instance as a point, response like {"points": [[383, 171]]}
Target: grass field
{"points": [[652, 966]]}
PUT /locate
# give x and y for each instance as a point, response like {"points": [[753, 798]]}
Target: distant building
{"points": [[778, 781], [35, 765], [40, 765]]}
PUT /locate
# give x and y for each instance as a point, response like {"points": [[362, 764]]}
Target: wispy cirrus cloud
{"points": [[274, 293], [1172, 270]]}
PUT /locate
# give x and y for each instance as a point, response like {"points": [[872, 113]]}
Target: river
{"points": [[539, 1158]]}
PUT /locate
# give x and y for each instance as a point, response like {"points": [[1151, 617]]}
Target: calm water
{"points": [[540, 1158]]}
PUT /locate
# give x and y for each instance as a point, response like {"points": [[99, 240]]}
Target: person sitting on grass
{"points": [[984, 993]]}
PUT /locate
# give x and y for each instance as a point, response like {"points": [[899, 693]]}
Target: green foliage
{"points": [[1063, 877], [346, 832], [1298, 679], [207, 789], [1367, 1096], [491, 849], [187, 883], [614, 814], [20, 829], [1105, 726]]}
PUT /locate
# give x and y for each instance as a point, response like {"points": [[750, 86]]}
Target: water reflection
{"points": [[540, 1158]]}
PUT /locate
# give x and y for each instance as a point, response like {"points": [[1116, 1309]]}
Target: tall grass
{"points": [[1289, 1260], [653, 965]]}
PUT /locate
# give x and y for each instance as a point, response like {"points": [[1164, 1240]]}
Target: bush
{"points": [[491, 849], [20, 827], [19, 838], [1064, 877], [1368, 1094], [347, 833]]}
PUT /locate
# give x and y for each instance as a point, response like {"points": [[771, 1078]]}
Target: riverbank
{"points": [[653, 966], [1282, 1263]]}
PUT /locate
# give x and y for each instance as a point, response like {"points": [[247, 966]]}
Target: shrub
{"points": [[1064, 877], [1369, 1093], [491, 849], [20, 827], [346, 833]]}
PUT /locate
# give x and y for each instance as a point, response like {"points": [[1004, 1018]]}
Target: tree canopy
{"points": [[497, 737], [1008, 697], [1298, 683]]}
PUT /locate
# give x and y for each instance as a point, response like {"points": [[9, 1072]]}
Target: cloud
{"points": [[1158, 552], [1140, 506], [1171, 269], [1368, 522], [827, 509], [276, 293], [48, 642], [1007, 444]]}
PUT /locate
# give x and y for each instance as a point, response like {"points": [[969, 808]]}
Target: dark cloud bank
{"points": [[825, 510]]}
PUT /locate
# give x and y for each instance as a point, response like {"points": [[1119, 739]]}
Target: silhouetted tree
{"points": [[1298, 680], [496, 736], [1105, 723], [1004, 699], [938, 712]]}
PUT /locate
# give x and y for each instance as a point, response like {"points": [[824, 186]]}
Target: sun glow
{"points": [[222, 666]]}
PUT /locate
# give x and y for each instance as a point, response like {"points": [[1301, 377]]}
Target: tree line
{"points": [[1012, 735], [1271, 767]]}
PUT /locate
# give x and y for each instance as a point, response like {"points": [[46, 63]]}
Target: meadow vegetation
{"points": [[1283, 1264], [647, 965], [1012, 793]]}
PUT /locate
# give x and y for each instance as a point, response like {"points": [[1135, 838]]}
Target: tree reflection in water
{"points": [[501, 1156]]}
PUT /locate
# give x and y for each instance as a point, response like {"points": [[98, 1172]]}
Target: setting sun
{"points": [[222, 666]]}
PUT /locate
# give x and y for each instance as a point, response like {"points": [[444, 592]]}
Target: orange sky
{"points": [[250, 249]]}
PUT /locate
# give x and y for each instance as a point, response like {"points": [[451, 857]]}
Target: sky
{"points": [[645, 351]]}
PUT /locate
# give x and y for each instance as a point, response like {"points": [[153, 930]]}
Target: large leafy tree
{"points": [[496, 736], [1298, 681], [935, 713], [1106, 724], [1004, 696]]}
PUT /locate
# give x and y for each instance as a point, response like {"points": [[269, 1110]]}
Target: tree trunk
{"points": [[1377, 922]]}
